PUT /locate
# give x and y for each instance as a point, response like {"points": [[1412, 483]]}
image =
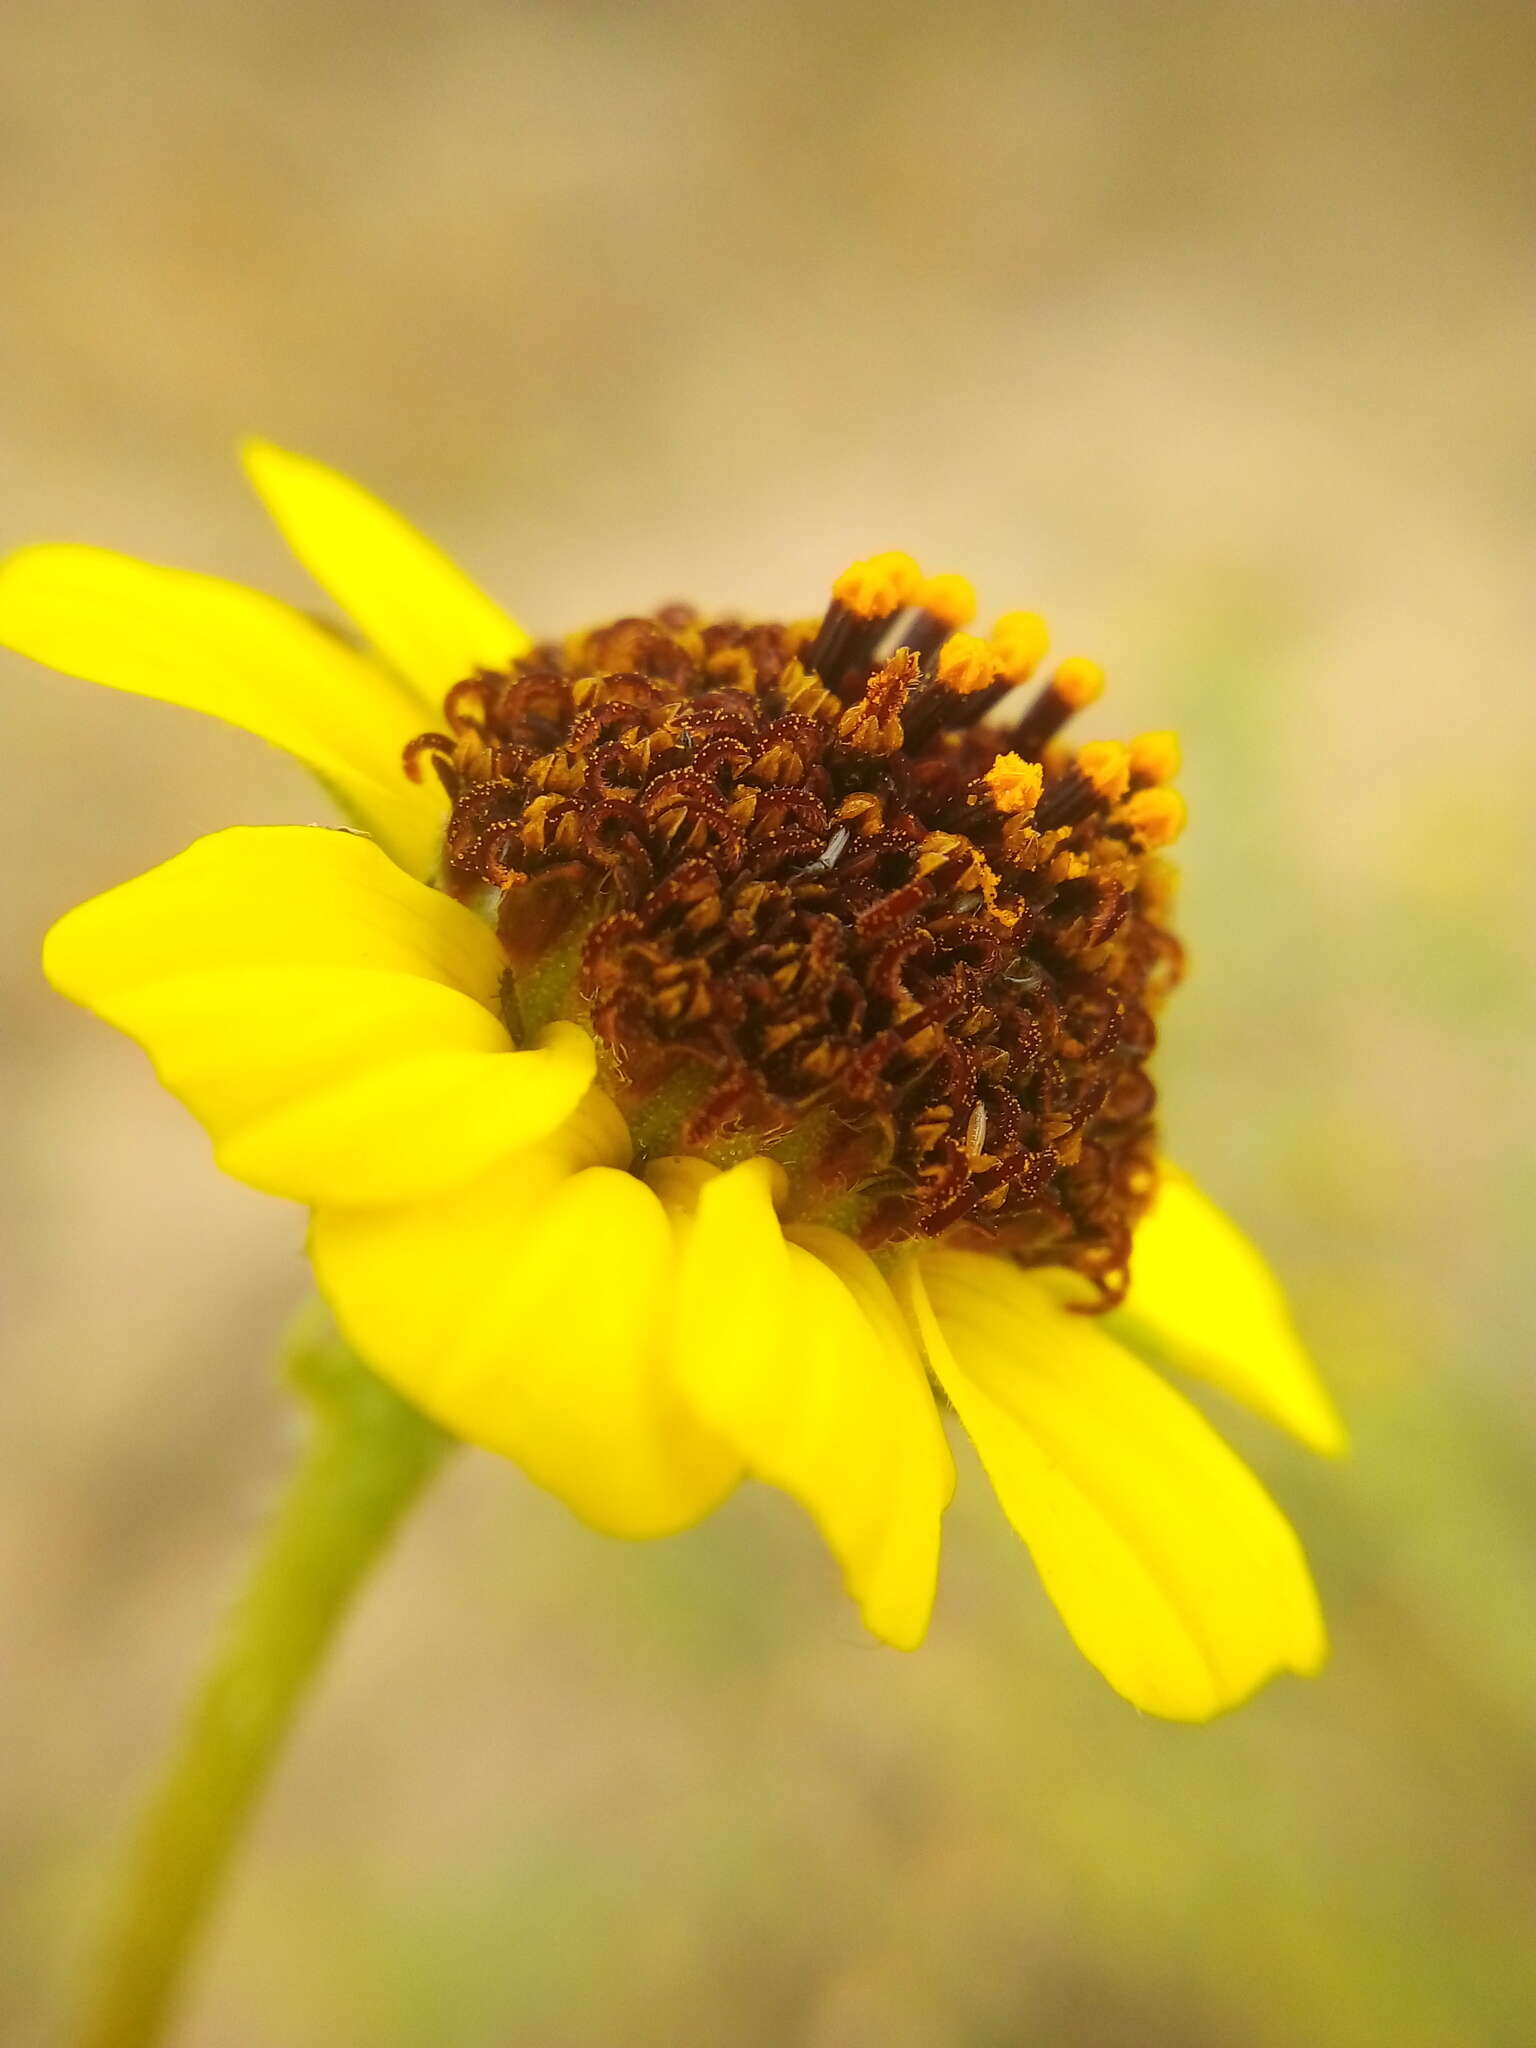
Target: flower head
{"points": [[812, 904], [729, 1046]]}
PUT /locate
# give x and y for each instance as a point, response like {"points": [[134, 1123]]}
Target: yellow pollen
{"points": [[1014, 784], [1019, 641], [1078, 681], [1106, 765], [949, 599], [1154, 757], [878, 587], [966, 664], [1156, 816]]}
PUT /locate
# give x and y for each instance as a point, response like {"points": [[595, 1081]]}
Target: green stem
{"points": [[366, 1457]]}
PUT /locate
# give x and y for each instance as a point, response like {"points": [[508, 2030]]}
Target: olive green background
{"points": [[1205, 329]]}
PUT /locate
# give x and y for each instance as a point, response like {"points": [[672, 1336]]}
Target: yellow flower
{"points": [[727, 1043]]}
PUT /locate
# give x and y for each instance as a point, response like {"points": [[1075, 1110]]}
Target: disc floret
{"points": [[838, 891]]}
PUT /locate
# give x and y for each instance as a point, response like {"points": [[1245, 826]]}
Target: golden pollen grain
{"points": [[876, 588], [1154, 757], [1078, 682], [1106, 766], [949, 599], [1015, 784], [966, 664], [1155, 816], [1019, 642], [840, 903]]}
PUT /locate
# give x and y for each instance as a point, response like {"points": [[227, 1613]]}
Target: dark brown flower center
{"points": [[836, 891]]}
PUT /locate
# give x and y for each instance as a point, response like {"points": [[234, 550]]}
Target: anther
{"points": [[1099, 776], [877, 588], [1013, 784], [1154, 758], [1154, 816], [944, 604], [966, 665], [865, 598], [949, 599], [1106, 767], [964, 690], [1019, 641], [1078, 681]]}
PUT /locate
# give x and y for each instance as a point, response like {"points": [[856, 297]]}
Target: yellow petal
{"points": [[330, 1021], [779, 1359], [1203, 1299], [423, 614], [258, 664], [872, 1292], [526, 1314], [271, 896], [1174, 1571], [238, 1045], [405, 1129]]}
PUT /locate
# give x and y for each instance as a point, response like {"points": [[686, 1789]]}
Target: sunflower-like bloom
{"points": [[721, 1048]]}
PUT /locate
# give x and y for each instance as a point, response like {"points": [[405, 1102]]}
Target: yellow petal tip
{"points": [[259, 457], [426, 619]]}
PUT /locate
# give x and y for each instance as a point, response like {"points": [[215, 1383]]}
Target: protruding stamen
{"points": [[879, 587], [1079, 681], [949, 599], [1013, 784], [1155, 816], [964, 688], [944, 604], [1019, 641], [1100, 775], [1106, 767], [966, 665], [1075, 685], [1154, 758], [1016, 644], [865, 598]]}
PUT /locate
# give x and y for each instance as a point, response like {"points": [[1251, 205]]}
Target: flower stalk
{"points": [[366, 1458]]}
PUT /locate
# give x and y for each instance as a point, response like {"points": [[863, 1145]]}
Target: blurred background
{"points": [[1205, 329]]}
